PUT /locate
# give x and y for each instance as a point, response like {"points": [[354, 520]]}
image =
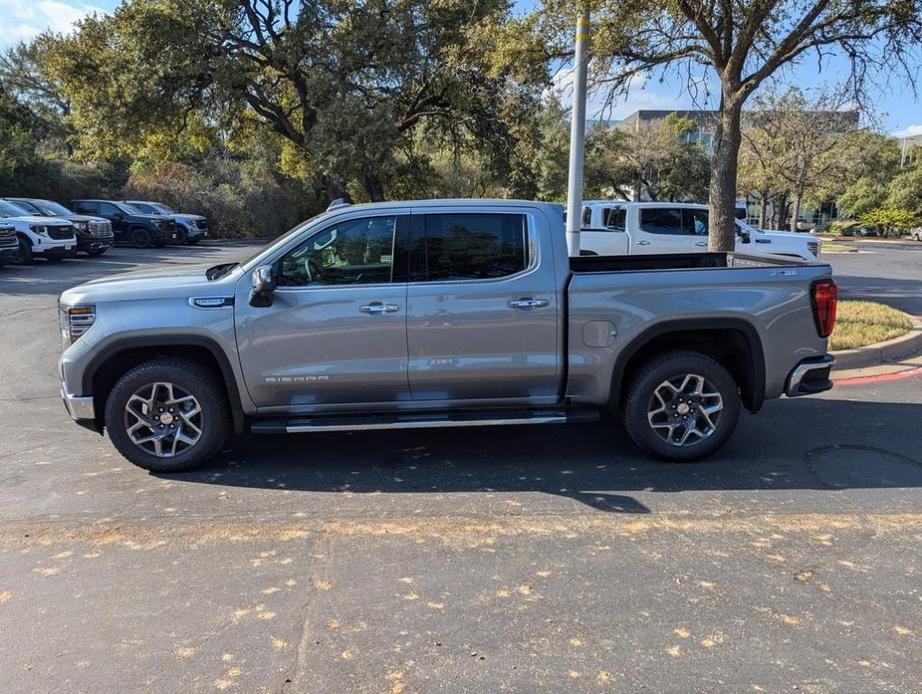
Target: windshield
{"points": [[130, 209], [280, 240], [159, 207], [50, 207], [8, 209]]}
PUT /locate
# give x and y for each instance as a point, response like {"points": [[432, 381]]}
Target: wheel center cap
{"points": [[683, 408], [166, 418]]}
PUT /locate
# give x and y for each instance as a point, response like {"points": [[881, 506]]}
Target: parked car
{"points": [[50, 238], [131, 226], [190, 228], [916, 234], [632, 228], [94, 234], [9, 244], [440, 313]]}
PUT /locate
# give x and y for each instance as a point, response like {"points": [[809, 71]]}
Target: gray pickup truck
{"points": [[437, 314]]}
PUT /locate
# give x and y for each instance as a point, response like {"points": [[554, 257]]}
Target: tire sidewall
{"points": [[667, 367], [193, 380], [140, 237]]}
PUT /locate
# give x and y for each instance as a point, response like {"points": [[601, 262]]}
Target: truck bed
{"points": [[672, 261]]}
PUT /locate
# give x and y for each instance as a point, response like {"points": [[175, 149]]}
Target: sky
{"points": [[900, 112]]}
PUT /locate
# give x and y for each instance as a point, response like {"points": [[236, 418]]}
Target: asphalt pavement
{"points": [[885, 271], [519, 559]]}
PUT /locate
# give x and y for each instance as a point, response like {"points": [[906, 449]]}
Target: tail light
{"points": [[825, 297]]}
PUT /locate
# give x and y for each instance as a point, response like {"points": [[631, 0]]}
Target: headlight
{"points": [[81, 226], [76, 320], [39, 229]]}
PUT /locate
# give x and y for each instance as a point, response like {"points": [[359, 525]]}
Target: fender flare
{"points": [[129, 343], [753, 393]]}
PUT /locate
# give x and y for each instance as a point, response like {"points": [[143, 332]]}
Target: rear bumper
{"points": [[810, 376]]}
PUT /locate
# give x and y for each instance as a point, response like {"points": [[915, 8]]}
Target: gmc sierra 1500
{"points": [[440, 313]]}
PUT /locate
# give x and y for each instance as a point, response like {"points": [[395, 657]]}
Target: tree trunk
{"points": [[798, 197], [374, 188], [763, 210], [727, 139]]}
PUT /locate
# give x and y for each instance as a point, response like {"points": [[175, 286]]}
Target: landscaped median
{"points": [[869, 333]]}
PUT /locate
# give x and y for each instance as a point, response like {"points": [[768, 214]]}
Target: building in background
{"points": [[910, 149]]}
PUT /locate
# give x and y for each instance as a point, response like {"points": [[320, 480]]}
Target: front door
{"points": [[482, 309], [335, 333]]}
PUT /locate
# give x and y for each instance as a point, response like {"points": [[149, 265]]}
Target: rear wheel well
{"points": [[111, 368], [734, 348]]}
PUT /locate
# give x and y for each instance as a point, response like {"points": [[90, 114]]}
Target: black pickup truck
{"points": [[131, 226]]}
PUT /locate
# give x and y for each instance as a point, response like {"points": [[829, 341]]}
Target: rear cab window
{"points": [[468, 246], [661, 220]]}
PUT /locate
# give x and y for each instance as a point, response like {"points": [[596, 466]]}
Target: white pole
{"points": [[577, 133]]}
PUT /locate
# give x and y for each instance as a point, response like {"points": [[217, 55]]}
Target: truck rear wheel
{"points": [[167, 415], [140, 237], [681, 406]]}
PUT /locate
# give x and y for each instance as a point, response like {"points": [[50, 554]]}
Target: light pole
{"points": [[578, 133]]}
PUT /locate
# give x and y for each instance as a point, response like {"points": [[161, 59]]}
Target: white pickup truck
{"points": [[610, 227]]}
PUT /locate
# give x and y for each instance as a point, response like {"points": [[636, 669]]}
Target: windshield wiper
{"points": [[218, 271]]}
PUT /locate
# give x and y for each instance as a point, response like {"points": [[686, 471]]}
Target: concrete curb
{"points": [[881, 352]]}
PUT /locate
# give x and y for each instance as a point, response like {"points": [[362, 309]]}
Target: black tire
{"points": [[96, 254], [23, 255], [645, 396], [183, 375], [140, 237], [182, 238], [193, 241]]}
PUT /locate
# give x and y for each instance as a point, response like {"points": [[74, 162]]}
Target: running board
{"points": [[420, 420]]}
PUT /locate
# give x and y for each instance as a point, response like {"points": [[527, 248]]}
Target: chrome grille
{"points": [[7, 237], [101, 229]]}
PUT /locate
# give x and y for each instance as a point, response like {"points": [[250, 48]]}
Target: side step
{"points": [[420, 420]]}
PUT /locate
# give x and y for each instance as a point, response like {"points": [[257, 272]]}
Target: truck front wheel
{"points": [[167, 415], [681, 406]]}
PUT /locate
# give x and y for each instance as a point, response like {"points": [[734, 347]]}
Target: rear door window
{"points": [[614, 218], [87, 207], [661, 220], [695, 222], [469, 246]]}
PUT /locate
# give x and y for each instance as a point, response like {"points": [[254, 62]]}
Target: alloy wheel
{"points": [[685, 410], [163, 419]]}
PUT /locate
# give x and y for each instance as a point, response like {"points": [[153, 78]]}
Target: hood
{"points": [[84, 218], [34, 219], [186, 217], [152, 285]]}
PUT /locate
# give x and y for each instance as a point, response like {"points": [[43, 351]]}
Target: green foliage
{"points": [[890, 220], [861, 197]]}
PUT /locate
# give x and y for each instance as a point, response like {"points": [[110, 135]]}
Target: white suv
{"points": [[49, 237], [630, 228]]}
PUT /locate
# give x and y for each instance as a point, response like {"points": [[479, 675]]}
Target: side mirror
{"points": [[263, 281]]}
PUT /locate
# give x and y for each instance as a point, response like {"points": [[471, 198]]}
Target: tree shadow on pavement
{"points": [[814, 444]]}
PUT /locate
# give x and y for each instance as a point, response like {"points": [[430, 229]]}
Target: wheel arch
{"points": [[116, 359], [733, 342]]}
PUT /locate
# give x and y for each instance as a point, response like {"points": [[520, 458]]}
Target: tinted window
{"points": [[107, 208], [696, 222], [144, 207], [27, 206], [358, 251], [86, 207], [661, 220], [587, 216], [614, 218], [470, 247]]}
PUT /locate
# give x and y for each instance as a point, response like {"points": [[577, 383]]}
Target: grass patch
{"points": [[833, 247], [860, 323]]}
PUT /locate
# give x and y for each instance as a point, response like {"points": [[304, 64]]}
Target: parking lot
{"points": [[496, 559]]}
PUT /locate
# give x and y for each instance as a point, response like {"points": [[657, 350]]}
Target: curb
{"points": [[882, 352]]}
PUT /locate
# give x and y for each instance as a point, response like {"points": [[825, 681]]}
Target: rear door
{"points": [[695, 224], [482, 308], [660, 230], [336, 332]]}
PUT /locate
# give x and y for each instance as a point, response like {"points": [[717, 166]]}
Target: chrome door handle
{"points": [[642, 243], [701, 243], [376, 308], [527, 303]]}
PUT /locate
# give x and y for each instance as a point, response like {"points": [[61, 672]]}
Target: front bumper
{"points": [[94, 243], [810, 376], [81, 409]]}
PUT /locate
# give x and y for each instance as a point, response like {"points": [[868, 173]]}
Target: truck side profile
{"points": [[612, 227], [130, 226], [439, 313]]}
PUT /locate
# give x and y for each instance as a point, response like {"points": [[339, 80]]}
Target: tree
{"points": [[344, 84], [744, 43], [794, 144], [861, 197], [657, 163]]}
